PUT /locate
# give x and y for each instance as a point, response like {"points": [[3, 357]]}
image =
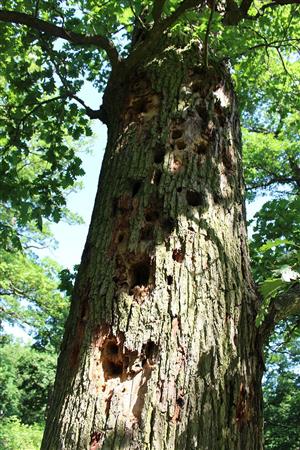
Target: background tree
{"points": [[183, 118]]}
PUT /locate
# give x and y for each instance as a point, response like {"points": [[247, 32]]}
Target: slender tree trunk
{"points": [[161, 349]]}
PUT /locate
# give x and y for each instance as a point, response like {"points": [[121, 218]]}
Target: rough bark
{"points": [[161, 349]]}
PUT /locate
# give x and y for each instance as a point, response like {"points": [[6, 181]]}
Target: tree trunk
{"points": [[161, 348]]}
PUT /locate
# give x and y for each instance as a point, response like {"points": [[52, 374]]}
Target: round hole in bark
{"points": [[136, 187], [179, 189], [180, 402], [159, 155], [178, 255], [202, 148], [113, 370], [169, 280], [176, 134], [196, 86], [112, 348], [140, 273], [194, 198], [121, 238], [168, 225], [149, 350]]}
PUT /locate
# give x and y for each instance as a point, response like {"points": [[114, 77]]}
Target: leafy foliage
{"points": [[16, 435], [281, 389], [26, 378]]}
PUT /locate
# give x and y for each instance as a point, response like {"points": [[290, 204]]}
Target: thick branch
{"points": [[287, 304], [274, 180], [207, 34], [157, 10], [184, 6], [153, 36], [60, 32], [234, 13], [274, 4]]}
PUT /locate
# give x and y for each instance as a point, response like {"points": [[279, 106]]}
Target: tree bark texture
{"points": [[161, 349]]}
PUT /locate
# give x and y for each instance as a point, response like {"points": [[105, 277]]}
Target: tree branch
{"points": [[182, 8], [91, 113], [157, 10], [274, 180], [274, 4], [234, 13], [207, 34], [285, 305], [60, 32]]}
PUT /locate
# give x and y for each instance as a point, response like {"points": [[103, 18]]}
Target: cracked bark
{"points": [[161, 349]]}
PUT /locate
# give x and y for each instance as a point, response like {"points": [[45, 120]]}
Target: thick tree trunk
{"points": [[161, 349]]}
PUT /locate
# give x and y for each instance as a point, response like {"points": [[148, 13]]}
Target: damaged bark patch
{"points": [[244, 410], [176, 163], [142, 103], [140, 273], [121, 376], [149, 353], [178, 407], [178, 255], [134, 273], [95, 440]]}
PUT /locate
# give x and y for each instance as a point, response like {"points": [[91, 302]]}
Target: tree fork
{"points": [[161, 349]]}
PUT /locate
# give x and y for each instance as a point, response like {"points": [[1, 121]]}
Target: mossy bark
{"points": [[161, 349]]}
